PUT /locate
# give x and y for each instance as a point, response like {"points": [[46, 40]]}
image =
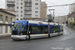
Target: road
{"points": [[64, 42]]}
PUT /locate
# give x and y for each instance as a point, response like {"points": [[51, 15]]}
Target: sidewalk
{"points": [[5, 36], [70, 27]]}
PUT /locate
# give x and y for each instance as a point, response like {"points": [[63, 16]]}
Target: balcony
{"points": [[11, 1], [27, 13], [27, 6], [26, 1], [10, 4], [27, 9]]}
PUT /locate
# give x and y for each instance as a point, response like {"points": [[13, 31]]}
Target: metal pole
{"points": [[54, 15], [48, 30], [58, 20]]}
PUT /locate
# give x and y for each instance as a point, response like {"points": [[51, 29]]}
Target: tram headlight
{"points": [[29, 32]]}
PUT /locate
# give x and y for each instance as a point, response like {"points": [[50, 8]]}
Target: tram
{"points": [[27, 29]]}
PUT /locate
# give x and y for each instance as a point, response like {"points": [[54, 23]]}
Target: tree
{"points": [[66, 22], [74, 24]]}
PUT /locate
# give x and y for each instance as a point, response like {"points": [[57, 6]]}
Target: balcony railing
{"points": [[27, 9], [11, 4], [27, 13], [28, 0], [11, 1]]}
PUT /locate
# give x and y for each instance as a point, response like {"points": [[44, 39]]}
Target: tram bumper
{"points": [[18, 37]]}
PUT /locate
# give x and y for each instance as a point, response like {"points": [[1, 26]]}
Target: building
{"points": [[25, 9], [43, 10], [71, 18], [60, 19], [6, 17], [43, 13], [72, 8]]}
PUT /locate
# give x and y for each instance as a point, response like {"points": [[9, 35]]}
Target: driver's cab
{"points": [[19, 28]]}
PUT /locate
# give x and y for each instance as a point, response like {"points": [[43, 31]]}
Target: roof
{"points": [[35, 22], [11, 12], [71, 15], [7, 10]]}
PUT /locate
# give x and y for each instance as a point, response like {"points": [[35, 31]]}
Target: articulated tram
{"points": [[26, 29]]}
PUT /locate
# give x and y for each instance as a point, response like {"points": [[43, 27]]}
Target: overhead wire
{"points": [[59, 5]]}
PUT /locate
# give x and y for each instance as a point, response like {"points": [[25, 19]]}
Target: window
{"points": [[21, 15], [36, 7], [16, 19], [36, 0], [29, 4], [6, 19], [35, 30], [17, 7], [17, 3], [38, 29], [36, 3], [10, 19], [27, 15], [36, 11], [21, 11], [36, 15], [26, 0], [0, 29], [21, 7], [17, 11], [17, 15], [54, 29], [21, 3], [44, 29], [6, 29], [30, 0], [0, 17], [71, 18]]}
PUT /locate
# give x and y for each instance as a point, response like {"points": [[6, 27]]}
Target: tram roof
{"points": [[35, 22]]}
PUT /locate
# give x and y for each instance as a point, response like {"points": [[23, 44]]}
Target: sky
{"points": [[59, 11]]}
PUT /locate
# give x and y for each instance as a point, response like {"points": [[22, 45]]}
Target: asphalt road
{"points": [[64, 42]]}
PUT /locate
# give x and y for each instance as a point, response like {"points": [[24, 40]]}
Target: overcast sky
{"points": [[58, 10]]}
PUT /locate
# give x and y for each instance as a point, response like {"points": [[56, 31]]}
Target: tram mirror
{"points": [[12, 23]]}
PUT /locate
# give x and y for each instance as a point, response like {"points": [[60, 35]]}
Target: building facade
{"points": [[60, 19], [72, 8], [71, 18], [43, 10], [25, 8], [6, 17]]}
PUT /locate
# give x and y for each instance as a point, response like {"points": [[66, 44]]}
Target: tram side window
{"points": [[61, 28], [35, 29], [44, 29], [54, 29]]}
